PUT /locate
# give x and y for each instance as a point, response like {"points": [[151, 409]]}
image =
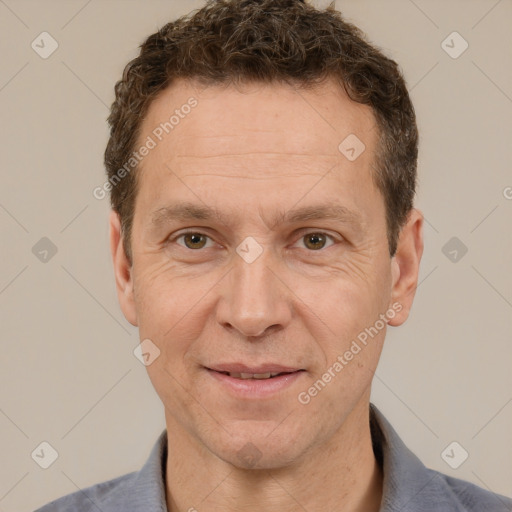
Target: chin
{"points": [[260, 447]]}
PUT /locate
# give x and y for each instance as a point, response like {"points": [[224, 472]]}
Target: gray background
{"points": [[68, 375]]}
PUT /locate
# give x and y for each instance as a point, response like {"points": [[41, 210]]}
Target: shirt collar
{"points": [[147, 489], [407, 485]]}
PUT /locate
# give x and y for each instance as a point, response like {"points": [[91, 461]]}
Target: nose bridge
{"points": [[255, 299]]}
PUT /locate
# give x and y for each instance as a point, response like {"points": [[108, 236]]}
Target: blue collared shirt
{"points": [[408, 485]]}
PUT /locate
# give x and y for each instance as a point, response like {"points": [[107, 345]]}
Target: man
{"points": [[262, 171]]}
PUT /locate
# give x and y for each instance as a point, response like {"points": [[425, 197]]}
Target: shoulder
{"points": [[105, 496], [471, 497], [409, 485], [142, 490]]}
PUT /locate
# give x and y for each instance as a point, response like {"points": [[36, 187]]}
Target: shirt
{"points": [[408, 486]]}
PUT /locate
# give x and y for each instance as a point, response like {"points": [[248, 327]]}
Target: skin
{"points": [[251, 152]]}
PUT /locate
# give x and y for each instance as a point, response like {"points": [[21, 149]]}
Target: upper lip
{"points": [[243, 368]]}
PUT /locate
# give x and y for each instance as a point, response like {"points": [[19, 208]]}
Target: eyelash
{"points": [[191, 232]]}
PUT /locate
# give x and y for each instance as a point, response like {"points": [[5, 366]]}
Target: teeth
{"points": [[252, 375]]}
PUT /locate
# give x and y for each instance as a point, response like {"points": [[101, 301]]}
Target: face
{"points": [[259, 247]]}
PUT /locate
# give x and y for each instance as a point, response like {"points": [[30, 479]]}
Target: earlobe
{"points": [[122, 270], [405, 266]]}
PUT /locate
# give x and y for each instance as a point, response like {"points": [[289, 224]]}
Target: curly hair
{"points": [[241, 41]]}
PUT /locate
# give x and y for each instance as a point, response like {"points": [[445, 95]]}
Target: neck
{"points": [[341, 474]]}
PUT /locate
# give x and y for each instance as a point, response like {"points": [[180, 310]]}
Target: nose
{"points": [[254, 299]]}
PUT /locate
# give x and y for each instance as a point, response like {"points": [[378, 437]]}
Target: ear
{"points": [[405, 267], [122, 270]]}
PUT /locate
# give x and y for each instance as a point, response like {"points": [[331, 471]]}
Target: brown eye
{"points": [[194, 240], [315, 241]]}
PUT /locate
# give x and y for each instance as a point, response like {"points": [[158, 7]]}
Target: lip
{"points": [[255, 389], [243, 368]]}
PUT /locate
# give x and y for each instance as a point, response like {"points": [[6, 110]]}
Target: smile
{"points": [[236, 375], [259, 383]]}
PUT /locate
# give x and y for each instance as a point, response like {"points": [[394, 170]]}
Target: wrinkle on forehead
{"points": [[270, 119], [271, 135], [254, 177]]}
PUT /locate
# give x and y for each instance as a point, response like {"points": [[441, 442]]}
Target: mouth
{"points": [[262, 371], [258, 376], [254, 382]]}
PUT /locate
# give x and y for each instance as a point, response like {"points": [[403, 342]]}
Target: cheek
{"points": [[352, 293], [170, 309], [345, 318], [171, 314], [343, 315], [161, 294], [349, 332]]}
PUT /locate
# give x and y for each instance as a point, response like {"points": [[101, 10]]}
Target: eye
{"points": [[193, 240], [316, 240]]}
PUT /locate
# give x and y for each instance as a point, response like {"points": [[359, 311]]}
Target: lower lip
{"points": [[256, 388]]}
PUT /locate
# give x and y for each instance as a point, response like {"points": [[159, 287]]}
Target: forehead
{"points": [[300, 121], [256, 138]]}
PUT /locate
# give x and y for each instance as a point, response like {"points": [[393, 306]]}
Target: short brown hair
{"points": [[268, 41]]}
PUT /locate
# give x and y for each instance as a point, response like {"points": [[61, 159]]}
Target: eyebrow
{"points": [[185, 211]]}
